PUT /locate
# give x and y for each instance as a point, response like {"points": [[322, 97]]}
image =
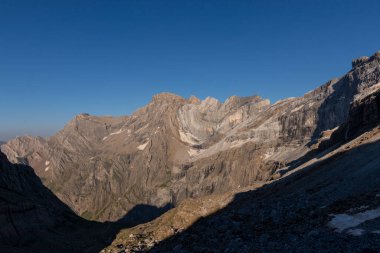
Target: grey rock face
{"points": [[294, 214], [329, 202], [359, 61], [176, 148]]}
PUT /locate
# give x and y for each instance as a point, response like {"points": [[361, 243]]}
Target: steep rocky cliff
{"points": [[328, 201], [176, 148], [34, 220]]}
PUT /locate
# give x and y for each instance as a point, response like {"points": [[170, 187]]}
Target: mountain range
{"points": [[243, 175]]}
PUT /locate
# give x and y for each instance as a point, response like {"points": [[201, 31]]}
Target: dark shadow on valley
{"points": [[33, 219], [288, 215]]}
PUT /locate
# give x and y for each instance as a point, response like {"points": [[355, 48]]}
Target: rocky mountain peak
{"points": [[210, 102], [358, 61], [194, 100], [175, 148], [365, 59], [167, 97], [82, 115], [236, 101]]}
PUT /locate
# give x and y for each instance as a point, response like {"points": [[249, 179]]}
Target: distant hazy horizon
{"points": [[63, 58]]}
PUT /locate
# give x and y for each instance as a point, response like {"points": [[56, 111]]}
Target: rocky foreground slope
{"points": [[175, 148], [330, 205]]}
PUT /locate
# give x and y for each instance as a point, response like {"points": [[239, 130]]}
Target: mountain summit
{"points": [[175, 150]]}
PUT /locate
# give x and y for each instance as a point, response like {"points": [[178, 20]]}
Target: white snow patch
{"points": [[193, 152], [355, 209], [355, 232], [47, 168], [297, 108], [344, 221], [188, 137], [268, 154], [117, 132], [47, 163], [143, 146], [142, 128]]}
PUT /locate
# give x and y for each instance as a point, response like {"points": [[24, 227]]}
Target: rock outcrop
{"points": [[330, 205], [326, 201], [34, 220]]}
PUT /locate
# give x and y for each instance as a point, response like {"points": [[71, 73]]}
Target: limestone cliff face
{"points": [[364, 112], [327, 200], [314, 209], [272, 136], [175, 148]]}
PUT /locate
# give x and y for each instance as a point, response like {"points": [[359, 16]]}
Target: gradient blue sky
{"points": [[61, 58]]}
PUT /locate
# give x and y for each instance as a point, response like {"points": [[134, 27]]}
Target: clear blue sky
{"points": [[61, 58]]}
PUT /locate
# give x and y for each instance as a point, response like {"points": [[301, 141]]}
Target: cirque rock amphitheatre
{"points": [[198, 156]]}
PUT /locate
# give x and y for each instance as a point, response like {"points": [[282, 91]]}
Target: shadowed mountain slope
{"points": [[175, 148], [34, 220], [329, 201]]}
